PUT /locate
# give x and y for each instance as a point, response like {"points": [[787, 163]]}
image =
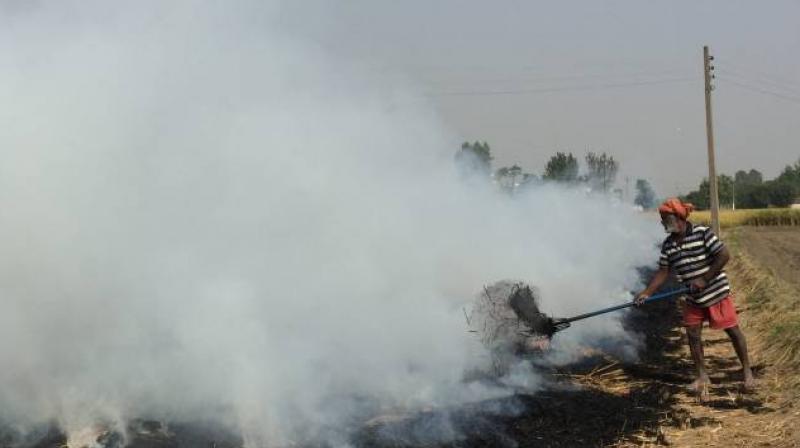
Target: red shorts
{"points": [[720, 315]]}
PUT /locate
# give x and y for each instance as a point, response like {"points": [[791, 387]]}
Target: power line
{"points": [[741, 85], [567, 77], [776, 85], [559, 89], [630, 64], [763, 74]]}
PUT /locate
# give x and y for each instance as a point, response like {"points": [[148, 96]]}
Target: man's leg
{"points": [[740, 345], [700, 385]]}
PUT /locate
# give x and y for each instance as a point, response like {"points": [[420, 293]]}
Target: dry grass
{"points": [[770, 317], [771, 320], [772, 309], [754, 217]]}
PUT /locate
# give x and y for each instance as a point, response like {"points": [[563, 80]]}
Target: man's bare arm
{"points": [[720, 260]]}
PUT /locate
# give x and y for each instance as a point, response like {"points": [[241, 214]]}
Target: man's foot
{"points": [[700, 388], [749, 381]]}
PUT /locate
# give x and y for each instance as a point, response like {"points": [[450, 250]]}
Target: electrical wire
{"points": [[603, 86], [791, 90], [762, 75], [751, 88], [569, 77]]}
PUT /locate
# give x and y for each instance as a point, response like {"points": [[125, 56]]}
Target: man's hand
{"points": [[698, 284], [640, 298]]}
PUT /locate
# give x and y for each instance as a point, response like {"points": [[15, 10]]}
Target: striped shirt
{"points": [[691, 258]]}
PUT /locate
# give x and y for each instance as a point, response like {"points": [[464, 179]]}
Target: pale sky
{"points": [[533, 77]]}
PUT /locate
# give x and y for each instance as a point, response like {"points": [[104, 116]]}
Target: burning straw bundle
{"points": [[507, 319]]}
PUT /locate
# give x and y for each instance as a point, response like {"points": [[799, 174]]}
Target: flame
{"points": [[87, 437]]}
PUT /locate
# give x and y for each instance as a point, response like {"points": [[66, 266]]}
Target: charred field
{"points": [[596, 402]]}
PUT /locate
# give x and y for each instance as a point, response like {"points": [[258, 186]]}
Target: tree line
{"points": [[745, 189], [475, 161], [748, 189]]}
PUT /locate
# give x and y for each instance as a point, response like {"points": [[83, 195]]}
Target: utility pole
{"points": [[712, 171]]}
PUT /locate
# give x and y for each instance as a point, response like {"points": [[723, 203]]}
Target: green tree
{"points": [[743, 178], [755, 196], [602, 171], [791, 177], [791, 172], [506, 177], [781, 193], [750, 190], [699, 197], [562, 167], [747, 188], [725, 190], [512, 178], [645, 196], [474, 159]]}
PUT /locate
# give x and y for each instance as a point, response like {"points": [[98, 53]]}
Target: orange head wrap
{"points": [[676, 207]]}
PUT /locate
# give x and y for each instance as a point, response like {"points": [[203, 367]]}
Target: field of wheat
{"points": [[754, 217]]}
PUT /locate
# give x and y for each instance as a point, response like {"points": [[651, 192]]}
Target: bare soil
{"points": [[776, 249]]}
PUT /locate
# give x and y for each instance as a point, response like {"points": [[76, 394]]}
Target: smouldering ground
{"points": [[606, 402], [648, 403]]}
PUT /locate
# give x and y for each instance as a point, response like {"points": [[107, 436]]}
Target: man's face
{"points": [[671, 223]]}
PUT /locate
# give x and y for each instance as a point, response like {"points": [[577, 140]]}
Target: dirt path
{"points": [[731, 418]]}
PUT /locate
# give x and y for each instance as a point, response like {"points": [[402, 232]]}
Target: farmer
{"points": [[697, 257]]}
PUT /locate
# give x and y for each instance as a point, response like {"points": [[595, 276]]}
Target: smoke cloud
{"points": [[203, 216]]}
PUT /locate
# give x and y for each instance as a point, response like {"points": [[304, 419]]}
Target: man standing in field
{"points": [[697, 257]]}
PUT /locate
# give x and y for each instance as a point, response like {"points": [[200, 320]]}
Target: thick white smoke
{"points": [[202, 216]]}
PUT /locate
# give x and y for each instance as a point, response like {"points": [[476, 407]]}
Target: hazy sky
{"points": [[534, 77]]}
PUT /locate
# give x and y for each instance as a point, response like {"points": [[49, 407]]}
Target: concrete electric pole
{"points": [[708, 74]]}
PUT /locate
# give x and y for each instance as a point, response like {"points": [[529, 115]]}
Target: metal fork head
{"points": [[559, 324]]}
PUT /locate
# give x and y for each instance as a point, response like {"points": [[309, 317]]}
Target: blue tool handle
{"points": [[653, 298]]}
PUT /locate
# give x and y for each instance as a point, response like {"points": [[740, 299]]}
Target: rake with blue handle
{"points": [[550, 326]]}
